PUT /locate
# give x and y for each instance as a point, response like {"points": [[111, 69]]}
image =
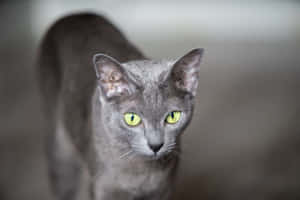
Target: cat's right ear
{"points": [[112, 78]]}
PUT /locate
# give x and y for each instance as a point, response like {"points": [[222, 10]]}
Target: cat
{"points": [[111, 111]]}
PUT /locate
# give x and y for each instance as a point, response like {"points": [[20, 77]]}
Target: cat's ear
{"points": [[185, 71], [112, 78]]}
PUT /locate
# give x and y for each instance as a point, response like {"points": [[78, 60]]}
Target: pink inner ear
{"points": [[115, 89], [112, 82], [109, 74], [179, 79], [186, 80]]}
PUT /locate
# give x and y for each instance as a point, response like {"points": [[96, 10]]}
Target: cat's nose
{"points": [[155, 147]]}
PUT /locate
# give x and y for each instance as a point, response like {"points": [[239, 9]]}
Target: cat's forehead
{"points": [[149, 71]]}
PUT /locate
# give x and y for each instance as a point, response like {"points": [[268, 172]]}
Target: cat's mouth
{"points": [[157, 156], [164, 156], [149, 152]]}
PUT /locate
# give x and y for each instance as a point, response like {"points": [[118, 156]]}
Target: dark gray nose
{"points": [[155, 147]]}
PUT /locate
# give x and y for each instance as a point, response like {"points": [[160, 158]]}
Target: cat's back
{"points": [[80, 36], [65, 55]]}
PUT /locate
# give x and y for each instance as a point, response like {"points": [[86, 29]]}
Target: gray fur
{"points": [[85, 111]]}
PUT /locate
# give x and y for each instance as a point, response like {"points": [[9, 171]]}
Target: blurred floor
{"points": [[244, 140]]}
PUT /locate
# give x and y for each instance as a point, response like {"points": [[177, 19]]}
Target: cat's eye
{"points": [[132, 119], [173, 117]]}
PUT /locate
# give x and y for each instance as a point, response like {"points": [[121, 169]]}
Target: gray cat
{"points": [[115, 121]]}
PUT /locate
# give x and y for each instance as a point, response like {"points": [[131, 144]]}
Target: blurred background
{"points": [[244, 140]]}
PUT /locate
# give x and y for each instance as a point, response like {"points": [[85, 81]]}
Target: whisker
{"points": [[139, 150], [172, 147], [136, 145], [126, 154], [172, 144]]}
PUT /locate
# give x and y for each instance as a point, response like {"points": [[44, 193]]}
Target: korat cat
{"points": [[112, 112]]}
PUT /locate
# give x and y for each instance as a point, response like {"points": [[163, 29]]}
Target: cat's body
{"points": [[85, 128]]}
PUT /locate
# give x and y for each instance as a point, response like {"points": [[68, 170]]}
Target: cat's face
{"points": [[148, 104]]}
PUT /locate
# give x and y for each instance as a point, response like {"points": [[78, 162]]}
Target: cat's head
{"points": [[147, 104]]}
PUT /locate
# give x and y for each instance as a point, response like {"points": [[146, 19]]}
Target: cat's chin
{"points": [[157, 157]]}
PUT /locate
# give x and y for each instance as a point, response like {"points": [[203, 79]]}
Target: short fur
{"points": [[85, 95]]}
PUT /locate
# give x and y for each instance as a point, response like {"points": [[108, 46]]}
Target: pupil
{"points": [[172, 114], [132, 117]]}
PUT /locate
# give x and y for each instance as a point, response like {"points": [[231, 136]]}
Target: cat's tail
{"points": [[48, 73]]}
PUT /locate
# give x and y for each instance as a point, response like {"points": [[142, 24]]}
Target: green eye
{"points": [[173, 117], [132, 119]]}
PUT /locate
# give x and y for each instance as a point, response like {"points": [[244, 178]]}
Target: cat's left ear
{"points": [[185, 72], [112, 78]]}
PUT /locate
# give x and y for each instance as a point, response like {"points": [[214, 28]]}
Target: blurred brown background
{"points": [[244, 141]]}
